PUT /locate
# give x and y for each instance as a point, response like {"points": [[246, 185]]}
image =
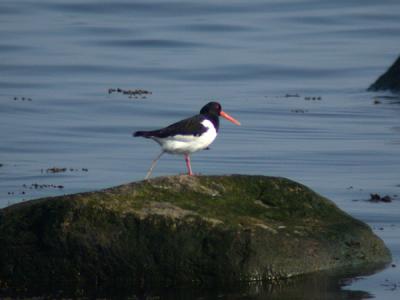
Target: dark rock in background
{"points": [[390, 80]]}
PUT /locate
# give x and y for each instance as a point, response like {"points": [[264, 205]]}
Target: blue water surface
{"points": [[294, 72]]}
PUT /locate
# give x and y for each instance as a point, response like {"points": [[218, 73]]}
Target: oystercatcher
{"points": [[189, 135]]}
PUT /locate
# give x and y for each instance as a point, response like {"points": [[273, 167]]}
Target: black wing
{"points": [[189, 126]]}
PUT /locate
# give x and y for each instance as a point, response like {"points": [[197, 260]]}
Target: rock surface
{"points": [[181, 230], [390, 80]]}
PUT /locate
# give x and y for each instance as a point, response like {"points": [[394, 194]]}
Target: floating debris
{"points": [[376, 101], [378, 198], [288, 95], [37, 186], [22, 99], [292, 96], [299, 111], [319, 98], [54, 170], [386, 99], [390, 285], [131, 93]]}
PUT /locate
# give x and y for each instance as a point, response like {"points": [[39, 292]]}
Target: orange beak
{"points": [[229, 118]]}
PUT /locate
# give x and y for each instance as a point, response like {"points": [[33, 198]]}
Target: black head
{"points": [[211, 108], [212, 111]]}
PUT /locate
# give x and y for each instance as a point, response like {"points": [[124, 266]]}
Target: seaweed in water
{"points": [[131, 93]]}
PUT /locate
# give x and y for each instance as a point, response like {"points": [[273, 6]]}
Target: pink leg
{"points": [[187, 159]]}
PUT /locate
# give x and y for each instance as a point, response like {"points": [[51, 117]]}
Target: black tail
{"points": [[141, 133]]}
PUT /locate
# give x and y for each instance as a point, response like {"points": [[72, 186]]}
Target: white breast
{"points": [[185, 144]]}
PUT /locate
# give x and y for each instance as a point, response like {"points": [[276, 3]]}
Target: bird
{"points": [[189, 135]]}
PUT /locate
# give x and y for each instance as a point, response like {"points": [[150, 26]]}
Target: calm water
{"points": [[59, 58]]}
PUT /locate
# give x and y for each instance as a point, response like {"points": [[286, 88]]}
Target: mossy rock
{"points": [[390, 80], [180, 231]]}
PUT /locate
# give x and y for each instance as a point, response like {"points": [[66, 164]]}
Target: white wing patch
{"points": [[185, 144]]}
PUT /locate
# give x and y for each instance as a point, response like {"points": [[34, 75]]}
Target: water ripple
{"points": [[147, 43], [215, 28], [6, 48], [233, 72], [155, 8]]}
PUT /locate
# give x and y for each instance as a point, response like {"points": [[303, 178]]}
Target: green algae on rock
{"points": [[179, 231]]}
